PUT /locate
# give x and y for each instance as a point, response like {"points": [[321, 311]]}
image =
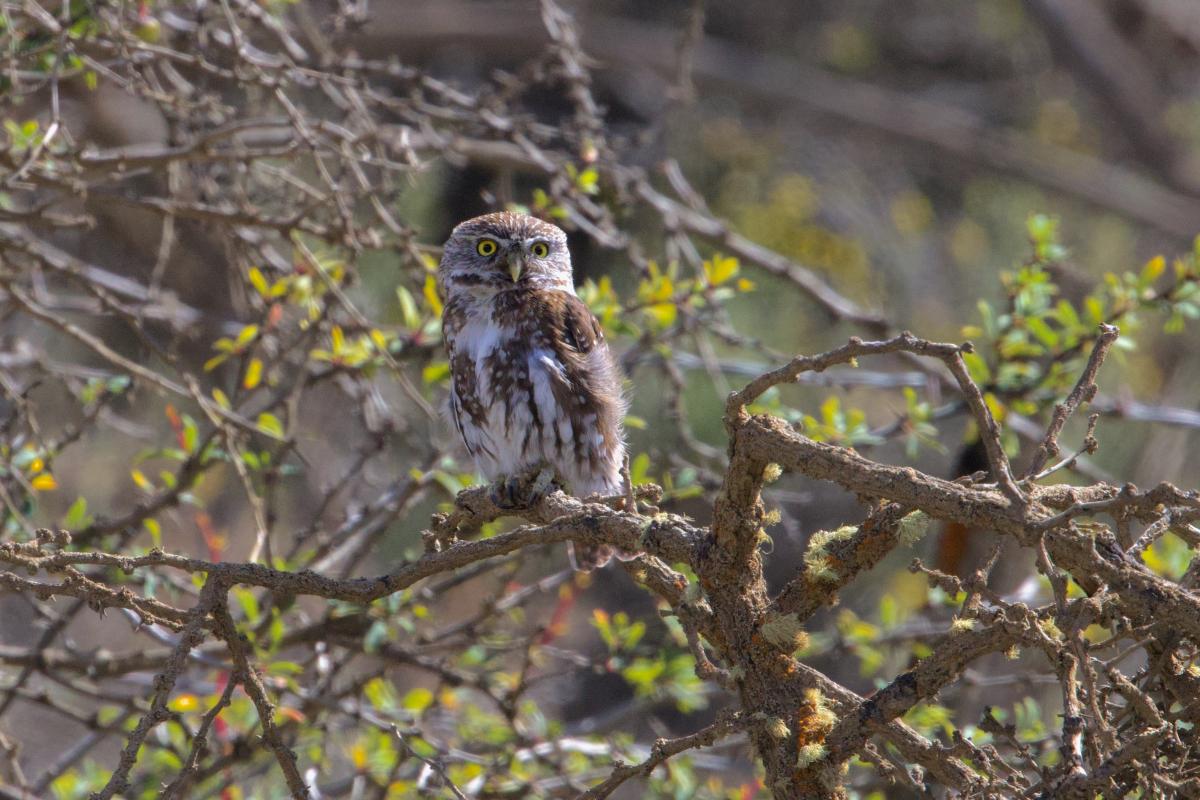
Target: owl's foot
{"points": [[506, 493], [544, 484], [523, 491]]}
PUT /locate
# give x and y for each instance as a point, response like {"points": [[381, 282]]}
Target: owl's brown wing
{"points": [[578, 327], [591, 374], [591, 389]]}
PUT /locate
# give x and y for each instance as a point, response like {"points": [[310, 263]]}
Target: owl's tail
{"points": [[587, 557]]}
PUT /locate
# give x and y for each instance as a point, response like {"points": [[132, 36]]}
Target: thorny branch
{"points": [[297, 196], [759, 658]]}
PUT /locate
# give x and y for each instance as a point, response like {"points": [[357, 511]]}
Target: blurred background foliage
{"points": [[1008, 172]]}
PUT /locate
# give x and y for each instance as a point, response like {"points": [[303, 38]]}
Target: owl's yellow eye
{"points": [[486, 247], [540, 249]]}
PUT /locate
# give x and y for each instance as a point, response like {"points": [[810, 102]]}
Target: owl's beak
{"points": [[516, 264]]}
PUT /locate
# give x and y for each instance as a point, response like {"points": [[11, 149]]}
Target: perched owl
{"points": [[533, 381]]}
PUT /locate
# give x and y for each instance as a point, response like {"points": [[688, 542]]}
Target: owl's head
{"points": [[498, 252]]}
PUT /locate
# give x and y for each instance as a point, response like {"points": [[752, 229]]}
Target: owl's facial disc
{"points": [[505, 251]]}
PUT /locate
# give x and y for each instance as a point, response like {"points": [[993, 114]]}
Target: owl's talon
{"points": [[543, 486], [512, 490], [506, 493], [519, 492]]}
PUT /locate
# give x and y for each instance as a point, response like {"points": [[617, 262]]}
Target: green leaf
{"points": [[643, 674], [191, 434], [151, 525], [409, 314], [285, 668], [1044, 333], [269, 423], [380, 693], [417, 700], [639, 469], [889, 612], [77, 516], [248, 602], [376, 635], [436, 372]]}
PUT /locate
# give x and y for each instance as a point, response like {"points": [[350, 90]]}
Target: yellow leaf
{"points": [[184, 702], [36, 466], [745, 285], [247, 335], [379, 339], [141, 480], [1154, 267], [270, 424], [221, 398], [338, 338], [663, 313], [417, 699], [44, 482], [358, 755], [254, 371], [996, 405], [408, 307], [214, 362], [155, 530], [720, 269], [431, 295], [663, 289], [1154, 560], [259, 282]]}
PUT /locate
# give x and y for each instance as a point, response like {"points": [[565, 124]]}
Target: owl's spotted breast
{"points": [[533, 382]]}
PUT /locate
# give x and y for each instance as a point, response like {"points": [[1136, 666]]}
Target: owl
{"points": [[533, 383]]}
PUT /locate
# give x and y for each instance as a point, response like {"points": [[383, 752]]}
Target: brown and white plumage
{"points": [[533, 380]]}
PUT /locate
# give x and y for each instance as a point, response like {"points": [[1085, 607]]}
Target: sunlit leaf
{"points": [[417, 700], [141, 480], [254, 372], [431, 295], [44, 482], [269, 423]]}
